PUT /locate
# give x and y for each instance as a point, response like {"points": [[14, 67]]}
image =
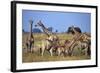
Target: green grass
{"points": [[36, 57]]}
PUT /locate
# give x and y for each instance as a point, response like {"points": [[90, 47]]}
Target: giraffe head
{"points": [[39, 24], [31, 21], [74, 29]]}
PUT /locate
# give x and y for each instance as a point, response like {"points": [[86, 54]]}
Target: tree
{"points": [[71, 31], [23, 30], [36, 30], [50, 29], [56, 31]]}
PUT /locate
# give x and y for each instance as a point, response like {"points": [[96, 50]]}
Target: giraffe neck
{"points": [[75, 31], [45, 30], [74, 40]]}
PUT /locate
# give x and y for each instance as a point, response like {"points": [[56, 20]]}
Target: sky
{"points": [[58, 20]]}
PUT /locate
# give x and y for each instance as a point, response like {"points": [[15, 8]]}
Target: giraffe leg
{"points": [[42, 51], [59, 52], [51, 52]]}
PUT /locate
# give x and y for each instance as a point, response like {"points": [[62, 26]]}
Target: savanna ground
{"points": [[36, 57]]}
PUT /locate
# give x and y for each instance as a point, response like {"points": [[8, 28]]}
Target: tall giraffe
{"points": [[30, 39], [51, 39], [67, 47], [70, 44], [79, 37], [73, 28], [45, 30], [77, 34], [51, 35]]}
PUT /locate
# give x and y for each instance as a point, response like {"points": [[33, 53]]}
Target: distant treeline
{"points": [[69, 30]]}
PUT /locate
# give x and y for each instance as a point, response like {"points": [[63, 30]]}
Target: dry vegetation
{"points": [[36, 57]]}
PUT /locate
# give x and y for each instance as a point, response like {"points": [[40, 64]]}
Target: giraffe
{"points": [[79, 37], [30, 39], [84, 36], [45, 30], [50, 40], [67, 47], [73, 28], [50, 35]]}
